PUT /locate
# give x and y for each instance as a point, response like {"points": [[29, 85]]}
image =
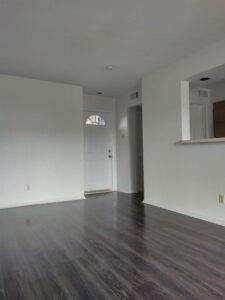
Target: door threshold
{"points": [[97, 192]]}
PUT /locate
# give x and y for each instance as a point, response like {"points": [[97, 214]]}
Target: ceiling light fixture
{"points": [[205, 78]]}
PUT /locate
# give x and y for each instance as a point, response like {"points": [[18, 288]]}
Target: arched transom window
{"points": [[95, 120]]}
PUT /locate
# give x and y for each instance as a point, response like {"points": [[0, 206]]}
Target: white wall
{"points": [[96, 103], [124, 161], [183, 178], [41, 142], [123, 150]]}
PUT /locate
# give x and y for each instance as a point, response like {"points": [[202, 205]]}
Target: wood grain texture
{"points": [[219, 119], [109, 246]]}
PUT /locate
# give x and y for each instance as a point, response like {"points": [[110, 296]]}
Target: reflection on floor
{"points": [[109, 246]]}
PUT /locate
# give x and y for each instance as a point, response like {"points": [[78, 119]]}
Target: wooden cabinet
{"points": [[219, 119]]}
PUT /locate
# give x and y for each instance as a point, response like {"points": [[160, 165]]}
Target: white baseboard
{"points": [[42, 201], [189, 213]]}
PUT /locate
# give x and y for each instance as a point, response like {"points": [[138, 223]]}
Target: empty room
{"points": [[112, 149]]}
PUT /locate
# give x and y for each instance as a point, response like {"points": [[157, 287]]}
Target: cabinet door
{"points": [[219, 119]]}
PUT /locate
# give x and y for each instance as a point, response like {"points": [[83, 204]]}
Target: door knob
{"points": [[110, 156]]}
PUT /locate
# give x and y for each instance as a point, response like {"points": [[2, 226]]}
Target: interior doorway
{"points": [[136, 148], [98, 152]]}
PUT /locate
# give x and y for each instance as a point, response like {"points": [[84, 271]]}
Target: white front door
{"points": [[98, 151]]}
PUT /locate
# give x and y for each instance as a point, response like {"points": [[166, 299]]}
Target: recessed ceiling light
{"points": [[109, 68], [205, 78]]}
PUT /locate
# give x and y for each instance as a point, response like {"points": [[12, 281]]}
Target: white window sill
{"points": [[203, 141]]}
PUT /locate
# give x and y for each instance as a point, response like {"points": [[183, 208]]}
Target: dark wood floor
{"points": [[109, 247]]}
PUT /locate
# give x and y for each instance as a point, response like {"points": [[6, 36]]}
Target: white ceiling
{"points": [[72, 41]]}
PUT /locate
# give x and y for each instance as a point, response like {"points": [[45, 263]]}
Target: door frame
{"points": [[132, 121], [113, 135]]}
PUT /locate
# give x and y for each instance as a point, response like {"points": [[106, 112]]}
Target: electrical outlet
{"points": [[28, 187], [221, 199]]}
